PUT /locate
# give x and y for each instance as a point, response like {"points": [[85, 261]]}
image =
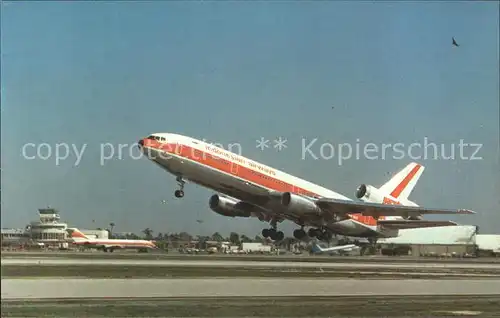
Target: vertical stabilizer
{"points": [[77, 235], [401, 185]]}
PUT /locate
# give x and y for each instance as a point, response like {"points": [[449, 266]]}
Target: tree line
{"points": [[175, 240]]}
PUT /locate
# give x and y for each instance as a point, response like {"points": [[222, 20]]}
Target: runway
{"points": [[245, 264], [244, 257], [239, 287]]}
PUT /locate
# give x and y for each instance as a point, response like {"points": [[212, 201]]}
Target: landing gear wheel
{"points": [[276, 235], [179, 193], [312, 233], [273, 234], [325, 236], [299, 234], [279, 236]]}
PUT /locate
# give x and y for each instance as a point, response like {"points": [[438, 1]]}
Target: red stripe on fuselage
{"points": [[97, 242], [238, 170]]}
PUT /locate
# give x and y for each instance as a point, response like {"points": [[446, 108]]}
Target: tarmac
{"points": [[275, 295], [240, 287], [47, 287]]}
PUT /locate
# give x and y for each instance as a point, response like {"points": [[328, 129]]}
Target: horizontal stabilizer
{"points": [[411, 224], [375, 209]]}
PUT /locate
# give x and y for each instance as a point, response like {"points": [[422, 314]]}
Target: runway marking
{"points": [[460, 312]]}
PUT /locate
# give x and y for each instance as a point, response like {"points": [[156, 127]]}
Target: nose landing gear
{"points": [[180, 193]]}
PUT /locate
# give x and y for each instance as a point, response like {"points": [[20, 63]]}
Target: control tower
{"points": [[48, 229]]}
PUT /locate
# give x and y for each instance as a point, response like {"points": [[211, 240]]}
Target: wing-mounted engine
{"points": [[229, 207], [368, 193], [299, 205]]}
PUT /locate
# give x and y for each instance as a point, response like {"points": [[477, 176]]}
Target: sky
{"points": [[103, 74]]}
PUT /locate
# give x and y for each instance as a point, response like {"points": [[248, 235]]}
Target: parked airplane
{"points": [[341, 249], [250, 189], [107, 245]]}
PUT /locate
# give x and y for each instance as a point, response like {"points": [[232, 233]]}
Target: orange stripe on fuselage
{"points": [[397, 191], [238, 170]]}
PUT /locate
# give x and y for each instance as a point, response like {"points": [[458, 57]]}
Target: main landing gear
{"points": [[273, 233], [320, 234], [370, 248], [299, 234], [180, 193]]}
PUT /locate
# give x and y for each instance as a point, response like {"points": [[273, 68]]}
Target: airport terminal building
{"points": [[447, 241], [47, 231]]}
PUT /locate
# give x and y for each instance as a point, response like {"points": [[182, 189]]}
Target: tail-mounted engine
{"points": [[369, 193]]}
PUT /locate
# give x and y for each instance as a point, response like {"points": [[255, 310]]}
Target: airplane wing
{"points": [[376, 209], [410, 224]]}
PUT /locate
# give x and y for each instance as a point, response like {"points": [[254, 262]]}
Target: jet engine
{"points": [[227, 207], [369, 193], [298, 205]]}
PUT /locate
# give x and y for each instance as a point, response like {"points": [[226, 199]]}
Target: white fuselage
{"points": [[236, 176]]}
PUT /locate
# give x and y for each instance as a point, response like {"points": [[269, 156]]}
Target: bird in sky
{"points": [[454, 42]]}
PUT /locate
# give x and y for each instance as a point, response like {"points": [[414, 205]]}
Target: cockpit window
{"points": [[156, 138]]}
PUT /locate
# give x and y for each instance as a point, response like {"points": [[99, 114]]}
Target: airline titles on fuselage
{"points": [[238, 159]]}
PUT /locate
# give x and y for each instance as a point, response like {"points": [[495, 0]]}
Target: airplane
{"points": [[250, 189], [108, 245], [341, 249]]}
